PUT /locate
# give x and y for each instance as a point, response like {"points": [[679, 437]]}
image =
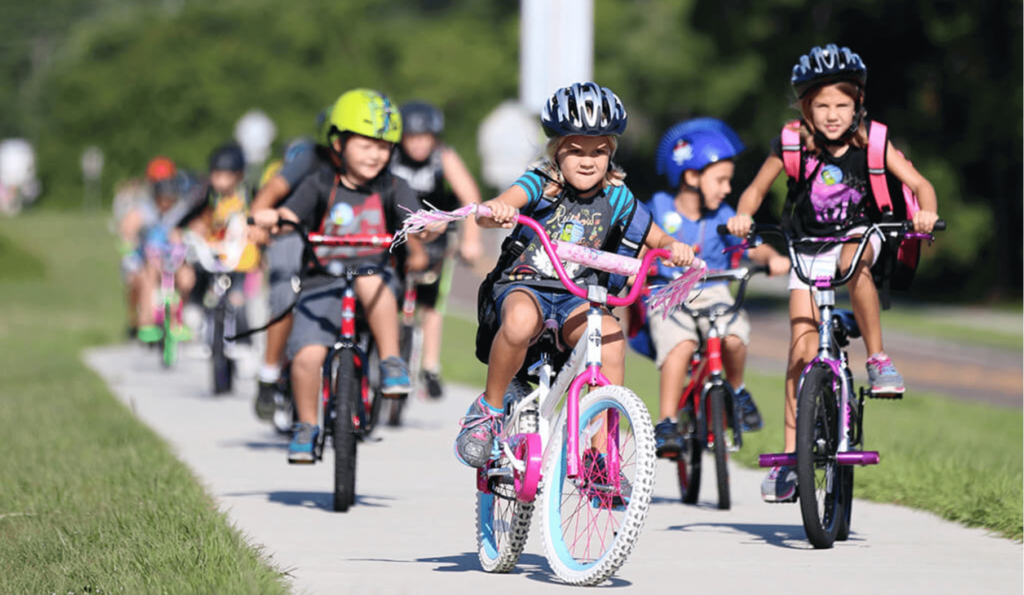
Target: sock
{"points": [[493, 409], [269, 374], [741, 387]]}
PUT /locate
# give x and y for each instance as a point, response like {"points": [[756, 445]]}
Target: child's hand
{"points": [[502, 215], [924, 221], [682, 254], [778, 265], [470, 251], [266, 219], [739, 225]]}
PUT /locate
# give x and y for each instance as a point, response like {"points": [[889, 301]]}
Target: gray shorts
{"points": [[317, 315], [284, 261], [666, 333]]}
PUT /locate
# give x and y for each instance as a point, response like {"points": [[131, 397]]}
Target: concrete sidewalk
{"points": [[413, 528]]}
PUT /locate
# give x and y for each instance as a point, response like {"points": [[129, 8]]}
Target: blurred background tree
{"points": [[141, 77]]}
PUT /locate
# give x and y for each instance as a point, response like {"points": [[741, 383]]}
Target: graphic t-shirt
{"points": [[702, 234], [584, 221]]}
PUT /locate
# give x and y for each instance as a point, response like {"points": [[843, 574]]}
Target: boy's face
{"points": [[224, 182], [419, 146], [364, 157], [584, 160], [716, 183]]}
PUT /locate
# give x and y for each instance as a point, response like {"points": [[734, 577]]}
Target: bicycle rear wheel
{"points": [[502, 521], [843, 533], [347, 384], [716, 397], [223, 368], [819, 478], [592, 522], [688, 465]]}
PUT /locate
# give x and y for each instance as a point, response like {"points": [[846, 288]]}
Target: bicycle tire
{"points": [[222, 368], [502, 522], [396, 405], [688, 465], [372, 397], [347, 383], [610, 521], [819, 481], [843, 532], [716, 397]]}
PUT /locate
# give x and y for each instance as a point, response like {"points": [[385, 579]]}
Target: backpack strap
{"points": [[791, 149], [877, 135]]}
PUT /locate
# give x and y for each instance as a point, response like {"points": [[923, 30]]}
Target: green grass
{"points": [[962, 461], [92, 501], [911, 320]]}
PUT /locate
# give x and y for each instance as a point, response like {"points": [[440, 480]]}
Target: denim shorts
{"points": [[554, 305]]}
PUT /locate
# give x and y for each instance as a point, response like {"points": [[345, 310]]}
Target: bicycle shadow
{"points": [[315, 500], [532, 566], [791, 537]]}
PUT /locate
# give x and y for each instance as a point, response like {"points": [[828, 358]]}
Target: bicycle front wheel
{"points": [[592, 522], [717, 397], [502, 521], [819, 478], [347, 385]]}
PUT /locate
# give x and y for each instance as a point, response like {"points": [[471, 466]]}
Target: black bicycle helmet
{"points": [[586, 109], [419, 117], [227, 157], [829, 65]]}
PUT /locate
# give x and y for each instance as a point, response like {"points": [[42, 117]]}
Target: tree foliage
{"points": [[945, 76]]}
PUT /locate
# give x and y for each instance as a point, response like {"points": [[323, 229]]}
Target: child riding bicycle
{"points": [[425, 163], [829, 198], [578, 195], [696, 157], [350, 192]]}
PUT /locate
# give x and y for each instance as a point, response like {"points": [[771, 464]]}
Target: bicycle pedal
{"points": [[892, 396]]}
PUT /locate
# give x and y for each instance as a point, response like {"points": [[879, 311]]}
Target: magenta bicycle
{"points": [[591, 462]]}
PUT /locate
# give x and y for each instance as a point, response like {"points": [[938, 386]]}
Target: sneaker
{"points": [[780, 485], [667, 439], [475, 443], [394, 376], [600, 489], [265, 393], [300, 449], [882, 375], [750, 417], [432, 380], [150, 333]]}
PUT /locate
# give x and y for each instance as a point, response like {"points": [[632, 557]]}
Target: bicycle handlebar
{"points": [[311, 240], [743, 275]]}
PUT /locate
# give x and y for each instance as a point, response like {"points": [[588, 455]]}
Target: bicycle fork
{"points": [[593, 377]]}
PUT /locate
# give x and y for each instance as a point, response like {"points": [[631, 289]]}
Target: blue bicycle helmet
{"points": [[695, 144], [585, 109], [829, 65], [419, 117]]}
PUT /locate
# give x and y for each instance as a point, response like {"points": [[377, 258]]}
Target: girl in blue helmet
{"points": [[577, 193], [831, 198], [696, 157]]}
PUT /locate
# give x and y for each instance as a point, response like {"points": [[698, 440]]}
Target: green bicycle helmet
{"points": [[366, 112]]}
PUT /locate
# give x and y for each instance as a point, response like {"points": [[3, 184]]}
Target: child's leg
{"points": [[381, 309], [803, 346], [185, 280], [431, 323], [520, 323], [864, 298], [149, 280], [306, 375], [734, 360], [673, 378]]}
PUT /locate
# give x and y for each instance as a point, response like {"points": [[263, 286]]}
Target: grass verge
{"points": [[962, 461], [91, 501]]}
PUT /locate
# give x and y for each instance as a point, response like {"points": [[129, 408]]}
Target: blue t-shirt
{"points": [[587, 222], [701, 234]]}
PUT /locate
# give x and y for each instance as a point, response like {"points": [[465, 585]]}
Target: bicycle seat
{"points": [[844, 325]]}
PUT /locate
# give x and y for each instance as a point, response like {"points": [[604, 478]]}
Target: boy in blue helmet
{"points": [[696, 157]]}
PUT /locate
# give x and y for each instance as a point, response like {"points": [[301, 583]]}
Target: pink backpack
{"points": [[896, 265]]}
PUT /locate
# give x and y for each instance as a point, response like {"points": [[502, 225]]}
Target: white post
{"points": [[556, 48]]}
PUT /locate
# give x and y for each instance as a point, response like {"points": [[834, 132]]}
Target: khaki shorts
{"points": [[680, 326]]}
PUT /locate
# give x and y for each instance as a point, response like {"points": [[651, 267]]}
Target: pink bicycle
{"points": [[591, 462]]}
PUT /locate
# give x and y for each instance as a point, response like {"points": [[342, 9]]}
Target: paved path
{"points": [[412, 530]]}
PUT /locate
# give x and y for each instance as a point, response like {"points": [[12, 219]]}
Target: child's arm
{"points": [[504, 208], [467, 192], [682, 254], [924, 220], [753, 196]]}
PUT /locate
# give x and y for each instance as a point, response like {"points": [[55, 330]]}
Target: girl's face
{"points": [[716, 183], [224, 181], [364, 157], [419, 146], [584, 160], [832, 112]]}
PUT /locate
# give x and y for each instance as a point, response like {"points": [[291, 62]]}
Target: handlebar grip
{"points": [[940, 225], [759, 268], [723, 230], [250, 221]]}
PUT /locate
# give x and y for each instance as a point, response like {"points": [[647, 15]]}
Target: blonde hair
{"points": [[807, 130], [548, 165]]}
